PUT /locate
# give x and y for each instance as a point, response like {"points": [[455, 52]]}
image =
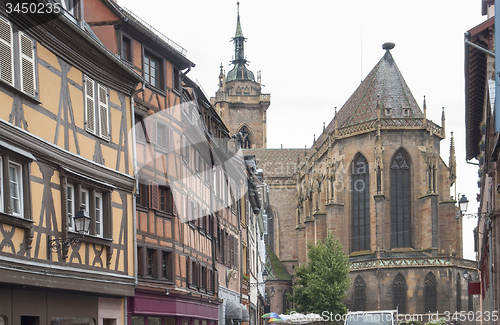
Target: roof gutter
{"points": [[104, 50]]}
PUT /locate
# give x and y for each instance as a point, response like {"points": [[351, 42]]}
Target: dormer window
{"points": [[406, 112], [388, 112], [126, 48], [70, 9]]}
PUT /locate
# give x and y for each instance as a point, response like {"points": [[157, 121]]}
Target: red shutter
{"points": [[155, 196]]}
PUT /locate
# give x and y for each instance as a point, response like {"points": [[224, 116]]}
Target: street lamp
{"points": [[264, 279], [463, 204], [82, 224]]}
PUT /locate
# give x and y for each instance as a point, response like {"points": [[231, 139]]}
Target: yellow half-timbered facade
{"points": [[65, 116]]}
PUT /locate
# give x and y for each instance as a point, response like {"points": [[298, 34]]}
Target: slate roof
{"points": [[278, 162], [384, 84]]}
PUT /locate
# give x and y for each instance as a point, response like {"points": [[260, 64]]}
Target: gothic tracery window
{"points": [[360, 186], [400, 200], [430, 292], [244, 140], [399, 293], [459, 293], [359, 294]]}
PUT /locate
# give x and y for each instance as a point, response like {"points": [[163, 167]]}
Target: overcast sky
{"points": [[314, 54]]}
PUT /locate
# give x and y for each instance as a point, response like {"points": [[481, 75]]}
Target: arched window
{"points": [[399, 293], [400, 200], [244, 140], [287, 305], [360, 185], [359, 294], [430, 292], [459, 293]]}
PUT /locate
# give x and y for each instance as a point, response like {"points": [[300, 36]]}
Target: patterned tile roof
{"points": [[278, 162], [384, 84], [275, 269]]}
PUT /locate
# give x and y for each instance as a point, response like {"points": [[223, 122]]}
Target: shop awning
{"points": [[233, 310], [245, 316]]}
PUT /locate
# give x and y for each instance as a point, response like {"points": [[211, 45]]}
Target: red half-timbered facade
{"points": [[187, 232]]}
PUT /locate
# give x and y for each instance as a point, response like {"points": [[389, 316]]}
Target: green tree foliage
{"points": [[321, 284]]}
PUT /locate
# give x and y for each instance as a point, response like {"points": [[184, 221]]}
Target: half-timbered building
{"points": [[187, 221], [65, 115]]}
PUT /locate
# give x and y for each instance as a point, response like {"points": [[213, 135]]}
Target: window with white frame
{"points": [[98, 215], [96, 203], [17, 58], [14, 188], [85, 199], [70, 199], [96, 108], [70, 9], [15, 185]]}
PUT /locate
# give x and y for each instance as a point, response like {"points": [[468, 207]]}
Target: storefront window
{"points": [[137, 320], [170, 321], [154, 321], [71, 321]]}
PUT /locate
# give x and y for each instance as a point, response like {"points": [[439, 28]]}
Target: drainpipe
{"points": [[136, 175], [183, 74], [497, 66], [490, 268]]}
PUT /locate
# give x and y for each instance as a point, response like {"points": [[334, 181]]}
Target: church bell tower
{"points": [[239, 100]]}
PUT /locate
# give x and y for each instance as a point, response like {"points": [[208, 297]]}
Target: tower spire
{"points": [[453, 161], [240, 71]]}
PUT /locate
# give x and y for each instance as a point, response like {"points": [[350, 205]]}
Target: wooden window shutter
{"points": [[27, 59], [170, 139], [154, 195], [209, 280], [89, 105], [247, 260], [231, 251], [103, 112], [215, 224], [151, 130], [215, 281], [174, 206], [207, 219], [6, 52], [200, 276], [189, 271]]}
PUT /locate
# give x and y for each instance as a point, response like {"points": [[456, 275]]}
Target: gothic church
{"points": [[374, 179]]}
